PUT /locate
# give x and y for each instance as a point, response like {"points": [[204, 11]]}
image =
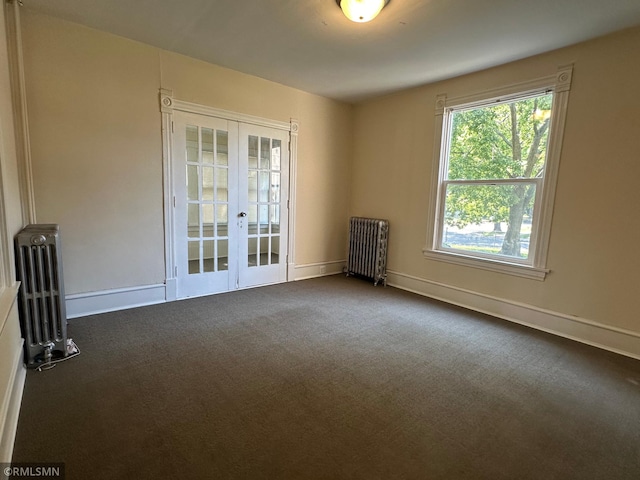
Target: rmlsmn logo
{"points": [[53, 471]]}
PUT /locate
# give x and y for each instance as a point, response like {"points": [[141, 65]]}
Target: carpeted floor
{"points": [[329, 378]]}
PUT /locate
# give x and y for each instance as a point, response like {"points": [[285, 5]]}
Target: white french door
{"points": [[230, 185], [263, 193]]}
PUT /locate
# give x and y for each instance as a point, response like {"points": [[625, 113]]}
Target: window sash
{"points": [[537, 182], [495, 181]]}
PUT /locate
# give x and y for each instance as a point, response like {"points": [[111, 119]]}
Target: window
{"points": [[497, 160]]}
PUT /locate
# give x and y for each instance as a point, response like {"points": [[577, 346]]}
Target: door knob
{"points": [[242, 214]]}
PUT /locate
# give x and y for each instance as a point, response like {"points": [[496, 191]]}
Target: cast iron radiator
{"points": [[43, 317], [368, 248]]}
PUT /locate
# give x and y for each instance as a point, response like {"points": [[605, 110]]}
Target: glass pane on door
{"points": [[207, 199], [264, 201]]}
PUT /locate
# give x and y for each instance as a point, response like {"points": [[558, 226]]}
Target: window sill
{"points": [[507, 268]]}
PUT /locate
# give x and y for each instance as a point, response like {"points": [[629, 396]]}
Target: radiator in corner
{"points": [[368, 248], [43, 318]]}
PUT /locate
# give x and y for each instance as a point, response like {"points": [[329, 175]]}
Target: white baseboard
{"points": [[313, 270], [91, 303], [11, 406], [610, 338]]}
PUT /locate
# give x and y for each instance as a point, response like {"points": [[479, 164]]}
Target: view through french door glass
{"points": [[229, 190]]}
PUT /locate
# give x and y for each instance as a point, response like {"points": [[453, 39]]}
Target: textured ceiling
{"points": [[310, 45]]}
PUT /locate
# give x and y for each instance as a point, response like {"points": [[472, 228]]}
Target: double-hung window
{"points": [[497, 157]]}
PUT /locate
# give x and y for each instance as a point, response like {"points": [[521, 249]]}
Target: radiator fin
{"points": [[368, 248]]}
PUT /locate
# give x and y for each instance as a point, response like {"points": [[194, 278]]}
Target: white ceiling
{"points": [[310, 45]]}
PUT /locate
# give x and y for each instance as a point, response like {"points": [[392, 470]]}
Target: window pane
{"points": [[223, 255], [207, 183], [265, 153], [194, 257], [208, 256], [222, 181], [252, 248], [264, 218], [489, 219], [192, 143], [507, 140], [264, 251], [275, 154], [253, 151], [252, 220], [193, 220], [192, 182], [274, 216], [253, 186], [275, 250], [222, 220], [207, 145], [275, 187], [222, 149], [207, 220], [264, 186]]}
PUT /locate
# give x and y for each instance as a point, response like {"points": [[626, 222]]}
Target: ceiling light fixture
{"points": [[361, 10]]}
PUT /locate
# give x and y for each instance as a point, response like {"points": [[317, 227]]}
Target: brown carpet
{"points": [[329, 378]]}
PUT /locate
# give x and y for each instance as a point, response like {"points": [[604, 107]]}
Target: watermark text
{"points": [[16, 471]]}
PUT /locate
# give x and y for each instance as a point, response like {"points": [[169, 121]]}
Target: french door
{"points": [[263, 193], [230, 204]]}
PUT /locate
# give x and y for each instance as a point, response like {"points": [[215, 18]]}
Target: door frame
{"points": [[169, 105]]}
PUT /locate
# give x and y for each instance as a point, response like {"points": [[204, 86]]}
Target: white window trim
{"points": [[560, 85]]}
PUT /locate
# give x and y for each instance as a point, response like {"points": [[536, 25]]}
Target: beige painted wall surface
{"points": [[10, 177], [97, 159], [593, 257], [96, 149]]}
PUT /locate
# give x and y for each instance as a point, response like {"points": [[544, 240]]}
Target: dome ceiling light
{"points": [[361, 10]]}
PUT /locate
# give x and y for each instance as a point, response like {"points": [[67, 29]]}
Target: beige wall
{"points": [[97, 149], [10, 177], [593, 256]]}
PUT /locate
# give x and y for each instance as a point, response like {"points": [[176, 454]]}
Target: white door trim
{"points": [[293, 162], [167, 106], [205, 110]]}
